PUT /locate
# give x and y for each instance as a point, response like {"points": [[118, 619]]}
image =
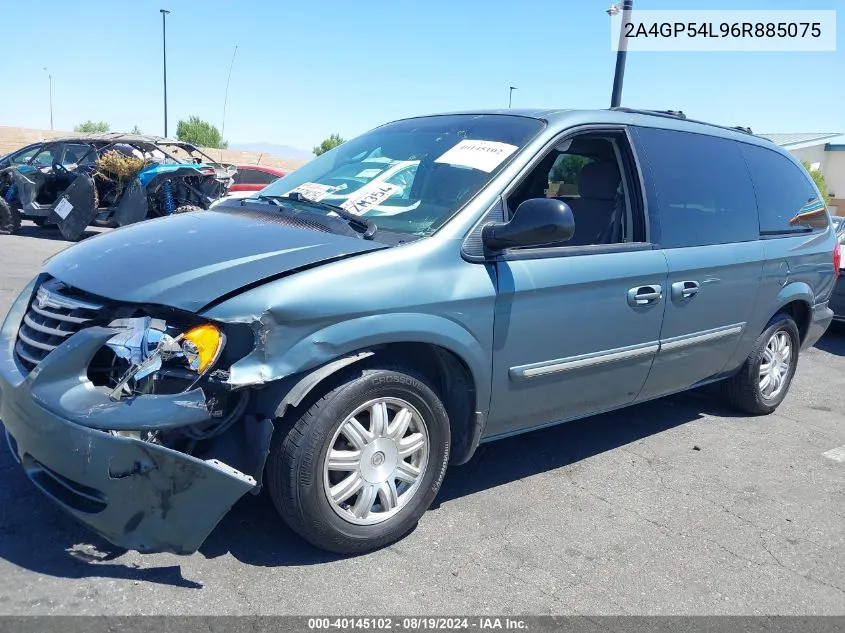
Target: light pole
{"points": [[621, 52], [50, 80], [164, 13], [226, 94], [510, 95]]}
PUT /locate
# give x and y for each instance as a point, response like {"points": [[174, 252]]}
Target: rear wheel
{"points": [[363, 463], [10, 219], [764, 380]]}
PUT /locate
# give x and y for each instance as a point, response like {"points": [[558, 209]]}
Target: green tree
{"points": [[136, 130], [818, 178], [330, 143], [200, 133], [89, 127], [567, 167]]}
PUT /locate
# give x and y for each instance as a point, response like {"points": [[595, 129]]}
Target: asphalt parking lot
{"points": [[672, 507]]}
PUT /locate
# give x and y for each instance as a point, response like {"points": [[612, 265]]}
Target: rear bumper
{"points": [[820, 320], [837, 300], [136, 494]]}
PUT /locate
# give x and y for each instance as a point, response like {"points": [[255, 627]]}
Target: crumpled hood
{"points": [[188, 260]]}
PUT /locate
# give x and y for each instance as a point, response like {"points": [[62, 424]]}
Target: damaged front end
{"points": [[124, 417]]}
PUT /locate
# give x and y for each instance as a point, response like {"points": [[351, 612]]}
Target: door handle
{"points": [[644, 295], [683, 290]]}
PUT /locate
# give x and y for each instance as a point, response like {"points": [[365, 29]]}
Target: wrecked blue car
{"points": [[107, 179]]}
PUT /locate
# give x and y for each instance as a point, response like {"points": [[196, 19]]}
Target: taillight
{"points": [[837, 259]]}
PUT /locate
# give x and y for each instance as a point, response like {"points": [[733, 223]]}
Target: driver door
{"points": [[577, 327]]}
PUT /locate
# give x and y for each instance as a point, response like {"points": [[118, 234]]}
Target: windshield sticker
{"points": [[481, 155], [369, 197], [368, 173], [313, 190]]}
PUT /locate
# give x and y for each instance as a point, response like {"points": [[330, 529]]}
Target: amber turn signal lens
{"points": [[201, 346]]}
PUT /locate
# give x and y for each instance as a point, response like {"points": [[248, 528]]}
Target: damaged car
{"points": [[376, 315], [107, 180]]}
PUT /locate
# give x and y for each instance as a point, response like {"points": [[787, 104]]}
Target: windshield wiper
{"points": [[369, 226]]}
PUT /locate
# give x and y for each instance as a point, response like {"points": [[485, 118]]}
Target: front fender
{"points": [[280, 352]]}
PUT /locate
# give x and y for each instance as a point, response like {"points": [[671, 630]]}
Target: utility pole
{"points": [[510, 95], [50, 80], [164, 13], [621, 52], [226, 94]]}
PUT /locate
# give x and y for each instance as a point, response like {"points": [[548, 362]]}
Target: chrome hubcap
{"points": [[376, 461], [774, 368]]}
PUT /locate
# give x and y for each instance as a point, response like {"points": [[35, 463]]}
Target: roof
{"points": [[799, 140]]}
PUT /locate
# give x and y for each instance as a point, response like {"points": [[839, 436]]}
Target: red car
{"points": [[254, 177]]}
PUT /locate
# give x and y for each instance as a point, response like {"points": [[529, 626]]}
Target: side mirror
{"points": [[535, 222]]}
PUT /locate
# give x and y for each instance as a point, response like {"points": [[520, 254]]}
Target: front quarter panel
{"points": [[422, 292]]}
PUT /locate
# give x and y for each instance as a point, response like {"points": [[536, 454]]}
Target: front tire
{"points": [[10, 219], [763, 381], [363, 463]]}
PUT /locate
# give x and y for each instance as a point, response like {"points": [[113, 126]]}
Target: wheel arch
{"points": [[444, 352]]}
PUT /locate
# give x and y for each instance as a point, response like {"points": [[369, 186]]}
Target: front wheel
{"points": [[764, 380], [10, 219], [363, 463]]}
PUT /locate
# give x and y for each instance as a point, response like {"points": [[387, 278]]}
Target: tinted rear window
{"points": [[701, 188], [787, 200]]}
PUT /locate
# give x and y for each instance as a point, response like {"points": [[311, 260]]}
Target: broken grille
{"points": [[54, 314]]}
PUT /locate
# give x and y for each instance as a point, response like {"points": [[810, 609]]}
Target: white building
{"points": [[824, 153]]}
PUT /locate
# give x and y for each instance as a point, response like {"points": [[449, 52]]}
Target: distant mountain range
{"points": [[283, 151]]}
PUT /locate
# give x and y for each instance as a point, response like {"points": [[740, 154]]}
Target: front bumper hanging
{"points": [[136, 494]]}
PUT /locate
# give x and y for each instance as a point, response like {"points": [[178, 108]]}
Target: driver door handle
{"points": [[683, 290], [644, 295]]}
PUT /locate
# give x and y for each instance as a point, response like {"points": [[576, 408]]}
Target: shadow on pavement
{"points": [[36, 535], [28, 229], [833, 342]]}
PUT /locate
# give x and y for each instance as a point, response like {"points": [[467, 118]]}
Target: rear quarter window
{"points": [[787, 200], [700, 187]]}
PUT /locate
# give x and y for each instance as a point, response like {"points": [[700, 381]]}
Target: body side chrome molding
{"points": [[579, 362], [688, 340], [543, 368]]}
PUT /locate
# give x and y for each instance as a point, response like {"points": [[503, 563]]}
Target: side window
{"points": [[264, 177], [701, 188], [44, 157], [20, 159], [786, 199], [75, 152], [593, 174], [563, 177]]}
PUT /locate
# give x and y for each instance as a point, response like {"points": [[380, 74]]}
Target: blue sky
{"points": [[309, 68]]}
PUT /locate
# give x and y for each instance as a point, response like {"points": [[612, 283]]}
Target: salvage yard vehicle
{"points": [[837, 301], [107, 180], [342, 355]]}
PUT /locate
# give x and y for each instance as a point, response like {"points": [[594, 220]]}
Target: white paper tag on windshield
{"points": [[368, 173], [313, 190], [369, 197], [63, 208], [482, 155]]}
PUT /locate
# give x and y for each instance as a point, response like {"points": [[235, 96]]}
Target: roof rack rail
{"points": [[678, 114], [675, 114]]}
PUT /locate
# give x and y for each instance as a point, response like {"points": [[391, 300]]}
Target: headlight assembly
{"points": [[146, 344]]}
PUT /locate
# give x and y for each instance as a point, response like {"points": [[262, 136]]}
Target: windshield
{"points": [[413, 175]]}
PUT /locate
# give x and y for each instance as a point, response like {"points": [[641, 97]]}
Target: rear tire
{"points": [[10, 219], [388, 437], [764, 379]]}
